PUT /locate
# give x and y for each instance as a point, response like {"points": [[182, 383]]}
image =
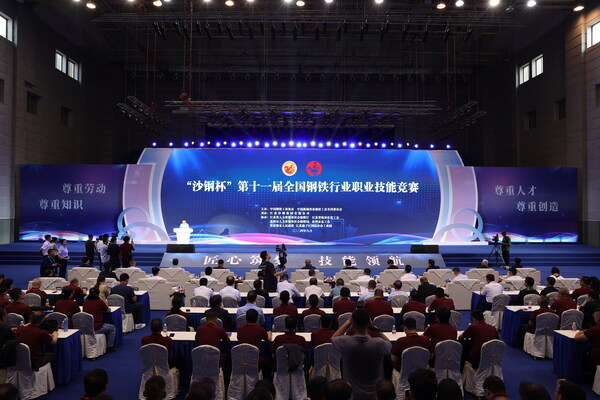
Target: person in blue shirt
{"points": [[132, 305], [250, 300]]}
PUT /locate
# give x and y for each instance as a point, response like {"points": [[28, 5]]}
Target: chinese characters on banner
{"points": [[69, 190], [523, 204]]}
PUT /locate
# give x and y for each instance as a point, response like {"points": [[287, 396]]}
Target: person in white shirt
{"points": [[313, 289], [311, 274], [397, 289], [368, 291], [491, 289], [457, 275], [512, 275], [556, 273], [408, 275], [103, 250], [45, 245], [155, 272], [208, 274], [285, 284], [365, 277], [203, 290], [230, 290]]}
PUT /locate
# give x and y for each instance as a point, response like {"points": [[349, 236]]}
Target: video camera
{"points": [[495, 239], [282, 255]]}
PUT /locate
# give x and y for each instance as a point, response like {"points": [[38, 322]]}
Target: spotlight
{"points": [[328, 1], [407, 144], [229, 3], [399, 145], [201, 144], [459, 3], [359, 144], [344, 144], [233, 144], [157, 3], [208, 142], [267, 144], [153, 144], [312, 143], [328, 144], [298, 144], [249, 144], [91, 5], [287, 1], [383, 145], [256, 143], [192, 143], [224, 143], [282, 144], [368, 145], [241, 143], [320, 145], [300, 3], [431, 146], [440, 5], [336, 145], [218, 144], [494, 3], [578, 7], [304, 145], [291, 143], [416, 146], [448, 146], [531, 3], [186, 144], [170, 144], [352, 145], [376, 143], [274, 143]]}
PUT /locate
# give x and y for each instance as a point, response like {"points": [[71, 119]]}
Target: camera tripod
{"points": [[496, 252]]}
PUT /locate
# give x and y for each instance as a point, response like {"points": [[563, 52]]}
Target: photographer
{"points": [[506, 249], [269, 270]]}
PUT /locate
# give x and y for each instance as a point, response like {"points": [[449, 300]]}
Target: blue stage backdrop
{"points": [[300, 196]]}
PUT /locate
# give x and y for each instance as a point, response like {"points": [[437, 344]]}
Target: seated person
{"points": [[250, 304], [156, 337], [229, 290], [3, 300], [408, 275], [390, 264], [211, 334], [253, 334], [397, 290], [36, 284], [95, 383], [378, 306], [593, 335], [324, 334], [17, 306], [413, 304], [339, 284], [425, 289], [484, 264], [286, 285], [203, 290], [313, 302], [107, 271], [543, 302], [6, 333], [348, 264], [489, 290], [442, 330], [550, 281], [216, 304], [563, 303], [584, 288], [441, 301], [431, 265], [458, 275], [86, 262], [208, 274], [511, 275], [35, 338], [289, 336], [78, 293], [411, 339], [368, 291], [176, 310], [94, 305], [520, 299], [132, 305], [479, 332], [285, 308], [66, 305], [556, 273], [313, 289], [365, 277], [258, 288], [344, 304], [155, 272]]}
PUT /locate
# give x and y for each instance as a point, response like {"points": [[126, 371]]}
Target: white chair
{"points": [[289, 385], [31, 384], [301, 285], [410, 285], [199, 301], [596, 384], [219, 274], [56, 316], [252, 274], [581, 300], [14, 320], [178, 276], [176, 322], [569, 317], [343, 318], [52, 283], [399, 300], [438, 277], [244, 371], [480, 273], [447, 361], [276, 302], [540, 343], [279, 323], [32, 299], [312, 323], [117, 300], [513, 284], [413, 358], [419, 319], [531, 299], [94, 345], [455, 319], [159, 292], [490, 364], [389, 276], [327, 362], [429, 300], [348, 274], [219, 322], [83, 274], [230, 302], [384, 323], [155, 361], [216, 286], [461, 291], [494, 317], [240, 320], [260, 301], [336, 298], [135, 273], [552, 296], [205, 364], [529, 272], [568, 283]]}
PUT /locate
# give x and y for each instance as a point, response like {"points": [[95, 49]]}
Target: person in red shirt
{"points": [[289, 335], [479, 332], [412, 339], [78, 293], [441, 301], [156, 337], [66, 305], [414, 304], [94, 305], [378, 306], [543, 302], [324, 334], [35, 338], [584, 288], [36, 284], [593, 335], [211, 334], [126, 251], [254, 334], [344, 304], [442, 330], [176, 309], [285, 308], [3, 300], [17, 306], [313, 301], [563, 303]]}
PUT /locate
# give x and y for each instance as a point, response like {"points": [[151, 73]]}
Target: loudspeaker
{"points": [[424, 248], [181, 248]]}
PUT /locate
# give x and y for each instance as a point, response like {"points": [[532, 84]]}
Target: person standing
{"points": [[505, 249], [270, 274], [127, 249], [63, 258], [114, 253], [90, 249]]}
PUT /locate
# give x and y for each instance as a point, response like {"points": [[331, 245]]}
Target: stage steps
{"points": [[542, 261]]}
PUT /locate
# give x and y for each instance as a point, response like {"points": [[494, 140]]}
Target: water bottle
{"points": [[164, 331], [573, 326], [65, 325], [194, 303], [22, 323], [47, 302], [394, 329]]}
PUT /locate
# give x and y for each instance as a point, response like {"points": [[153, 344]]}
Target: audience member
{"points": [[550, 281], [511, 275], [431, 265], [203, 389], [86, 262], [220, 264], [324, 334], [252, 333], [425, 289], [17, 306], [155, 388], [315, 388], [208, 274], [215, 304], [95, 383], [543, 302], [384, 390], [103, 290], [36, 284], [285, 308], [94, 306], [448, 389], [344, 304], [155, 274], [533, 391], [211, 334], [78, 293], [339, 389], [266, 384], [555, 271], [3, 300], [397, 290], [203, 290], [367, 291], [348, 264], [593, 335], [528, 289], [308, 264], [6, 333], [566, 390], [365, 277], [391, 265], [441, 301], [412, 339], [259, 394], [413, 304], [443, 330], [66, 305], [458, 276], [479, 332], [362, 355], [339, 284], [8, 392], [35, 338], [313, 289], [251, 304], [313, 309], [494, 388], [378, 306], [408, 274], [229, 290], [489, 290], [584, 288], [590, 307], [176, 310], [286, 286], [422, 384], [563, 302], [258, 288], [132, 305], [483, 264], [289, 336]]}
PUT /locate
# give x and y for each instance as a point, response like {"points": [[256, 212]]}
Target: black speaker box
{"points": [[424, 248], [181, 248]]}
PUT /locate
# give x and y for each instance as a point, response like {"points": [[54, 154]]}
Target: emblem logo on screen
{"points": [[314, 168], [289, 168]]}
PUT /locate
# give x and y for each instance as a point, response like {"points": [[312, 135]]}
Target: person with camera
{"points": [[505, 249], [270, 273]]}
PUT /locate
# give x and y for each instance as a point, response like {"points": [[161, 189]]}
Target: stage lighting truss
{"points": [[459, 119], [321, 114], [143, 114]]}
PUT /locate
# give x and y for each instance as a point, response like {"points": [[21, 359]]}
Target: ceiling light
{"points": [[287, 1], [378, 1], [441, 5], [494, 3], [328, 1], [90, 5], [229, 3], [578, 7], [531, 3], [206, 1], [300, 3], [459, 3], [157, 3]]}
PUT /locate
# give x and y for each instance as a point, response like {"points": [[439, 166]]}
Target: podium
{"points": [[183, 235]]}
